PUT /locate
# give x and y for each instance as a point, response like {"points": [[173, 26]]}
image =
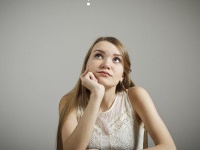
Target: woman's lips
{"points": [[104, 73]]}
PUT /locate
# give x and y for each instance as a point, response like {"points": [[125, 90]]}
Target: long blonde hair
{"points": [[79, 95]]}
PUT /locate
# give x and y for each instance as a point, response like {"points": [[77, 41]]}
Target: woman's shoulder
{"points": [[64, 100], [138, 94], [136, 90], [140, 99]]}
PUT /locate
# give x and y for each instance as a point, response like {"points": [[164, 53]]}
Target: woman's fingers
{"points": [[92, 76], [89, 80], [88, 75]]}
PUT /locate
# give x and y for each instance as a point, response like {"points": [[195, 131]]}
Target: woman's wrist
{"points": [[98, 92], [97, 96]]}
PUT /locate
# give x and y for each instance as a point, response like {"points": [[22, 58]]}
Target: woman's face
{"points": [[106, 63]]}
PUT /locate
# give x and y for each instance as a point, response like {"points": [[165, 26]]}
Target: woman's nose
{"points": [[106, 64]]}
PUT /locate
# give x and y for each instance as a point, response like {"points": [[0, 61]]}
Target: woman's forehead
{"points": [[106, 46]]}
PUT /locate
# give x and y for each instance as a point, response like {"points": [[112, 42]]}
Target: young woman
{"points": [[105, 110]]}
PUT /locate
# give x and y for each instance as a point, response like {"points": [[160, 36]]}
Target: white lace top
{"points": [[117, 128]]}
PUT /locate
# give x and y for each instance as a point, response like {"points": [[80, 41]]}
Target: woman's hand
{"points": [[91, 83]]}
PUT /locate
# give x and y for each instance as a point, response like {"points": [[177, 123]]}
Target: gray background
{"points": [[43, 43]]}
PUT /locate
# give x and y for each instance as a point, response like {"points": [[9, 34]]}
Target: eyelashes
{"points": [[98, 55], [115, 59]]}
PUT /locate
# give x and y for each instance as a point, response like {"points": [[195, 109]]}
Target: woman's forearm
{"points": [[81, 135]]}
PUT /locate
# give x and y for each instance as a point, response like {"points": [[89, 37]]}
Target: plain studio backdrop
{"points": [[43, 44]]}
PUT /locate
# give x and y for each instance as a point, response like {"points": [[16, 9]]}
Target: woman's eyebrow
{"points": [[101, 51], [117, 55], [98, 50]]}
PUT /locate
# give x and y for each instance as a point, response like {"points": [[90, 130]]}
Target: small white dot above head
{"points": [[88, 3]]}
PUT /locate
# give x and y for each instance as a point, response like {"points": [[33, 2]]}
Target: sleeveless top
{"points": [[117, 128]]}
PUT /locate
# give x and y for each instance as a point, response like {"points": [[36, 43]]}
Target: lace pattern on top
{"points": [[117, 128]]}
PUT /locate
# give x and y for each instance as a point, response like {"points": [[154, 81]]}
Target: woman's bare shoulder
{"points": [[137, 92], [64, 100], [139, 96]]}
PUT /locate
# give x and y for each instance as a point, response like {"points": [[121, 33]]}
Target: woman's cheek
{"points": [[89, 67]]}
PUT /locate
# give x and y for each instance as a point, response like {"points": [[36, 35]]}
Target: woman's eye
{"points": [[116, 59], [98, 56]]}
